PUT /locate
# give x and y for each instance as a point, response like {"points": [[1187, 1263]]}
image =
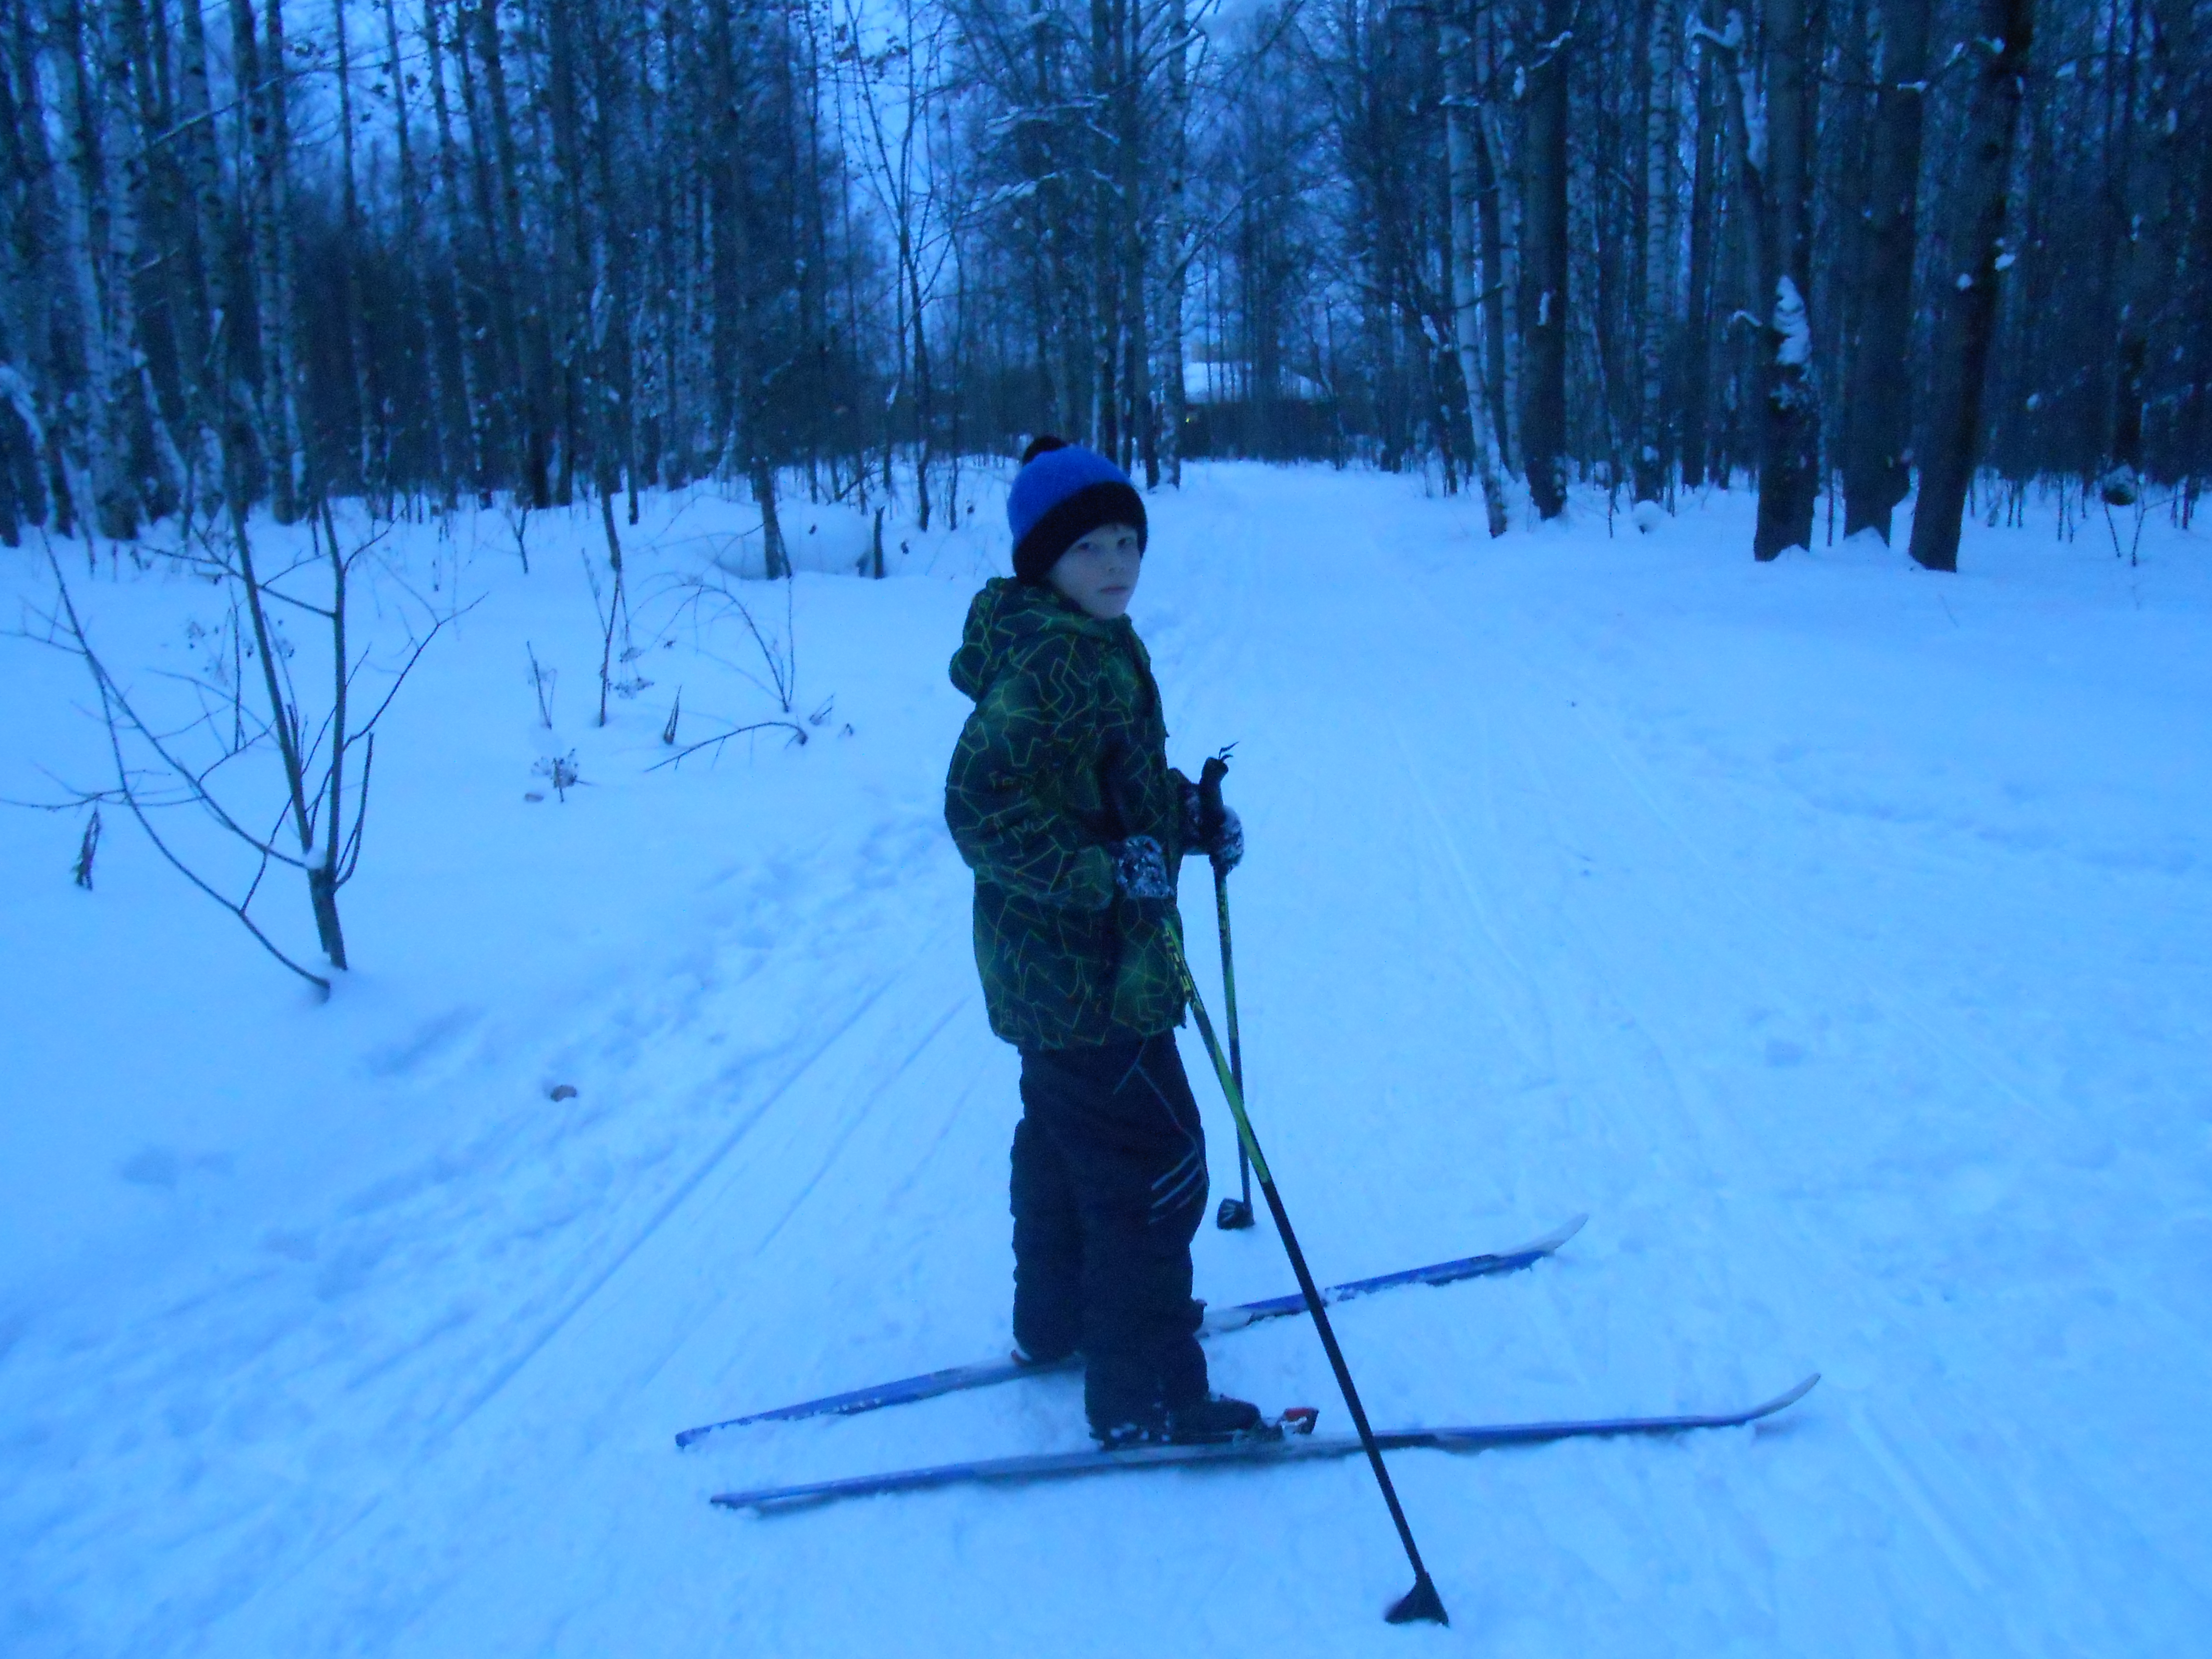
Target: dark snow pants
{"points": [[1109, 1186]]}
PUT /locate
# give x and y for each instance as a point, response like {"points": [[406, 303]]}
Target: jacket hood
{"points": [[1005, 621]]}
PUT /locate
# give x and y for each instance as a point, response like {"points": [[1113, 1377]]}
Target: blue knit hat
{"points": [[1063, 493]]}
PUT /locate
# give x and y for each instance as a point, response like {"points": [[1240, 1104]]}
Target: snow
{"points": [[1752, 93], [1794, 348], [1835, 934]]}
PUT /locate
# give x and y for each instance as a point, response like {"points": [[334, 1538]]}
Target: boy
{"points": [[1062, 801]]}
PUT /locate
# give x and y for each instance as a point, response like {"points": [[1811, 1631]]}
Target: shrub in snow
{"points": [[270, 743]]}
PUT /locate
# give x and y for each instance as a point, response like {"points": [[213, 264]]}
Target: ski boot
{"points": [[1214, 1420]]}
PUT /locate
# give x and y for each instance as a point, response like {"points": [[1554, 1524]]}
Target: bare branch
{"points": [[798, 735]]}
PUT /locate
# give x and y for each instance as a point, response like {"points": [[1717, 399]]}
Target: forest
{"points": [[260, 254]]}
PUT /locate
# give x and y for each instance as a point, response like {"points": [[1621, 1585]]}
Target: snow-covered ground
{"points": [[1837, 935]]}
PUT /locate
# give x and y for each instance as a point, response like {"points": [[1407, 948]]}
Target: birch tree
{"points": [[1544, 296], [1463, 118], [418, 249]]}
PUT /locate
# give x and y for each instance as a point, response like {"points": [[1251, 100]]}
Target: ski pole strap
{"points": [[1221, 1066]]}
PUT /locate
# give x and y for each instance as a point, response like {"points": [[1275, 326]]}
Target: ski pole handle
{"points": [[1210, 808]]}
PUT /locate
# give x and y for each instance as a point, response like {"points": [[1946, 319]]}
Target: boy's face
{"points": [[1099, 573]]}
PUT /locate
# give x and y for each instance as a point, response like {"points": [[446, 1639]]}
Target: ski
{"points": [[956, 1378], [1293, 1448]]}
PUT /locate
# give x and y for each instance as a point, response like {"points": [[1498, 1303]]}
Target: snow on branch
{"points": [[1793, 344]]}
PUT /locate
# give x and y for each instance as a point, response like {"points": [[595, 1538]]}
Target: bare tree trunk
{"points": [[616, 446], [2148, 139], [373, 452], [98, 243], [284, 720], [568, 320], [2003, 32], [910, 255], [325, 876], [1655, 439], [1178, 231], [533, 364], [1788, 468], [1877, 470], [261, 77], [30, 386], [1462, 138], [1105, 267], [280, 322], [226, 293], [1694, 399], [925, 411], [1130, 172], [1544, 266], [1745, 110], [416, 333], [172, 307], [737, 329], [1500, 357], [500, 349]]}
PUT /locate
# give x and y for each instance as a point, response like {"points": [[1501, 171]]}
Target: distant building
{"points": [[1230, 410], [1229, 382]]}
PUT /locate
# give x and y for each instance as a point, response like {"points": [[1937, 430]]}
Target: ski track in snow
{"points": [[1834, 934]]}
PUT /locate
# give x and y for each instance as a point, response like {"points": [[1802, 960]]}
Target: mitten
{"points": [[1222, 841], [1140, 869]]}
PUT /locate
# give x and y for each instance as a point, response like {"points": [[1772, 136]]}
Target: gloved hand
{"points": [[1222, 841], [1140, 869]]}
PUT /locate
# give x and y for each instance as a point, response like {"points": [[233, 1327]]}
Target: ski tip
{"points": [[686, 1437], [760, 1502], [1561, 1234], [1782, 1402], [779, 1500]]}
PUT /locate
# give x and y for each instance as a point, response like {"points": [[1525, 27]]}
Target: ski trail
{"points": [[541, 1208], [1485, 918], [1772, 946], [1506, 718], [674, 1202], [1918, 1499], [1581, 877], [1779, 920], [584, 1393], [959, 1005]]}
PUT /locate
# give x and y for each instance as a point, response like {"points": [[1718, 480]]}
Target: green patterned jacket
{"points": [[1066, 750]]}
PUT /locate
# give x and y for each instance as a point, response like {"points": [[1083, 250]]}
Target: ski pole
{"points": [[1421, 1601], [1235, 1214]]}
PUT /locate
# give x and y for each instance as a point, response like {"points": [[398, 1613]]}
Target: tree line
{"points": [[267, 251]]}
